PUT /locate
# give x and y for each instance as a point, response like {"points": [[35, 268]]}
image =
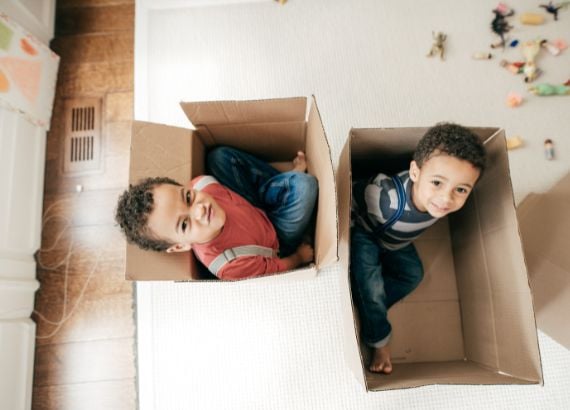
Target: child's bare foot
{"points": [[300, 162], [380, 362]]}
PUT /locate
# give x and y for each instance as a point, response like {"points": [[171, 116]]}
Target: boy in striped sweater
{"points": [[388, 213]]}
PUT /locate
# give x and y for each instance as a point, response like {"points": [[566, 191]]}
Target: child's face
{"points": [[442, 184], [184, 216]]}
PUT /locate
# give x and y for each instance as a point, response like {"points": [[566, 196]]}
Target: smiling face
{"points": [[184, 216], [442, 184]]}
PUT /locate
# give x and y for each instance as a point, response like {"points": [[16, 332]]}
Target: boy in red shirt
{"points": [[246, 219]]}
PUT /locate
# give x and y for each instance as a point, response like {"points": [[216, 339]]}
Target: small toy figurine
{"points": [[438, 44], [532, 19], [514, 99], [549, 89], [499, 25], [481, 55], [553, 8], [515, 67], [514, 142], [551, 47], [548, 149], [530, 50]]}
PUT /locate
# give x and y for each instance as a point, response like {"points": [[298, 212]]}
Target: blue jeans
{"points": [[380, 278], [288, 198]]}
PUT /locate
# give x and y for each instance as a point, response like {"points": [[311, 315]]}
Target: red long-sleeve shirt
{"points": [[245, 225]]}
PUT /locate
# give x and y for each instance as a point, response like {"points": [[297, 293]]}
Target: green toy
{"points": [[549, 89]]}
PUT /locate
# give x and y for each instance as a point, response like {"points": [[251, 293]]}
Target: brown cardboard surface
{"points": [[318, 150], [471, 320], [352, 352], [426, 332], [272, 129], [407, 375], [545, 230], [160, 150]]}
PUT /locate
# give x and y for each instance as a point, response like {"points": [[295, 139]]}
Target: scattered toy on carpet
{"points": [[545, 89], [499, 25], [554, 8], [438, 46], [548, 149]]}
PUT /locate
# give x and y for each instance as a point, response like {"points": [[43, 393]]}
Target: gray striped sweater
{"points": [[375, 200]]}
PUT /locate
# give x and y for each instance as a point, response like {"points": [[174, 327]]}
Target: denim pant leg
{"points": [[241, 172], [287, 198], [403, 272], [368, 288]]}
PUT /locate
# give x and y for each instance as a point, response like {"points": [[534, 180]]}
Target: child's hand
{"points": [[302, 256], [305, 252]]}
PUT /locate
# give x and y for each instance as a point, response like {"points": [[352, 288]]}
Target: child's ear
{"points": [[179, 247], [414, 171]]}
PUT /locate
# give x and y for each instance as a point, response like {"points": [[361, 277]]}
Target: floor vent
{"points": [[82, 136]]}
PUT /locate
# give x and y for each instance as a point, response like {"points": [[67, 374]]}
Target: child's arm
{"points": [[303, 255], [250, 266]]}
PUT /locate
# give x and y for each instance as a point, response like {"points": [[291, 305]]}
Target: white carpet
{"points": [[258, 345]]}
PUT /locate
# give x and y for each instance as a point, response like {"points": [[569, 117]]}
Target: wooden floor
{"points": [[89, 361]]}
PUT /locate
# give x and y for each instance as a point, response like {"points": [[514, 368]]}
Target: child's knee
{"points": [[417, 276], [306, 184], [218, 157]]}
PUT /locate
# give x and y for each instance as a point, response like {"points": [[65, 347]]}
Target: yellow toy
{"points": [[530, 50]]}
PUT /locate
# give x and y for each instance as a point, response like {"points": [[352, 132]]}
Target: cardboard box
{"points": [[545, 230], [273, 130], [471, 319]]}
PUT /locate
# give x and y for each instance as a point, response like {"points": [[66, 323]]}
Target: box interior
{"points": [[273, 130], [470, 320]]}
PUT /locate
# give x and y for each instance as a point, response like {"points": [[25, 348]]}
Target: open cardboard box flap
{"points": [[273, 130], [545, 230], [471, 320]]}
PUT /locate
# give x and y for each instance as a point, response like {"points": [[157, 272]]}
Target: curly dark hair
{"points": [[133, 209], [454, 140]]}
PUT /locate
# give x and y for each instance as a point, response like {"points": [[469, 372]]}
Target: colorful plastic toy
{"points": [[554, 8], [499, 25], [548, 149], [530, 50], [545, 89]]}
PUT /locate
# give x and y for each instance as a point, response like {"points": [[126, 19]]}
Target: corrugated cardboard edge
{"points": [[540, 378], [238, 111], [352, 355], [324, 171]]}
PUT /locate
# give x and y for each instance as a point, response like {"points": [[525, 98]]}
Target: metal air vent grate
{"points": [[82, 136]]}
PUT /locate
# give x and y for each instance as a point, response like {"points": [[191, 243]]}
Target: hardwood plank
{"points": [[118, 106], [56, 132], [118, 138], [87, 244], [62, 4], [93, 48], [106, 18], [108, 395], [89, 362], [103, 311], [94, 79], [114, 176], [79, 209], [82, 362]]}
